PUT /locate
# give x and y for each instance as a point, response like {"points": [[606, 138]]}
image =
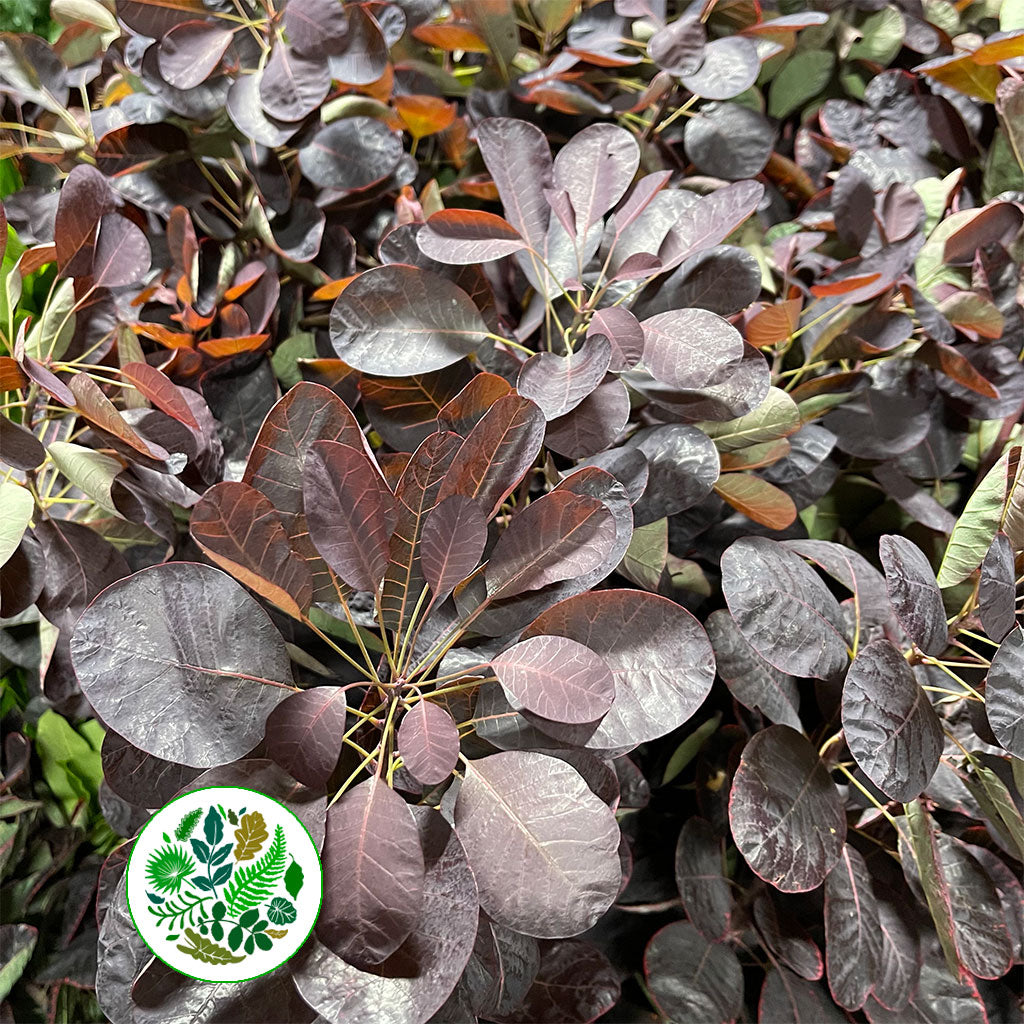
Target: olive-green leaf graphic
{"points": [[277, 933], [293, 878], [251, 835], [281, 911], [168, 868], [253, 884], [208, 951], [188, 824]]}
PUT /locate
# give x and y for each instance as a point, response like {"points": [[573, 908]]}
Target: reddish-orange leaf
{"points": [[774, 324], [98, 409], [163, 335], [756, 456], [972, 312], [11, 376], [192, 320], [36, 257], [160, 391], [244, 280], [424, 115], [947, 360], [848, 284], [450, 37], [757, 499], [330, 291], [220, 348]]}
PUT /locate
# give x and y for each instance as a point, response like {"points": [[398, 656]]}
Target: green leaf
{"points": [[90, 471], [293, 878], [253, 884], [208, 951], [285, 359], [187, 825], [71, 768], [980, 520], [263, 941], [281, 911], [645, 558], [213, 827], [777, 416], [51, 334], [881, 37], [19, 941], [994, 799], [16, 508], [235, 937], [690, 748], [801, 78]]}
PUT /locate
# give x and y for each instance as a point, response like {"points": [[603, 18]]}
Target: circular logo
{"points": [[224, 884]]}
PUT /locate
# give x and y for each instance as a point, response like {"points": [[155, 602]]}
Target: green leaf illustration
{"points": [[253, 884], [281, 911], [293, 878], [251, 835], [208, 951], [187, 825], [168, 867], [213, 827]]}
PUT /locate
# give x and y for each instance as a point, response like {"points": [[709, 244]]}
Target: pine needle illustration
{"points": [[168, 868], [187, 825], [253, 884]]}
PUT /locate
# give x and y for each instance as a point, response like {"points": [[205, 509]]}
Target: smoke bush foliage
{"points": [[569, 452]]}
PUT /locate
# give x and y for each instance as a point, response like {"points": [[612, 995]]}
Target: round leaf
{"points": [[428, 740], [730, 66], [351, 154]]}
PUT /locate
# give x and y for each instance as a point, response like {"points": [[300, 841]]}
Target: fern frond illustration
{"points": [[253, 884], [208, 951], [171, 911], [188, 824], [168, 868]]}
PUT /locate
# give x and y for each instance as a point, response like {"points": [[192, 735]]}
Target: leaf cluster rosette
{"points": [[521, 434]]}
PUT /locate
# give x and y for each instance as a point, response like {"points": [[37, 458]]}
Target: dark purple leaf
{"points": [[880, 424], [240, 530], [711, 219], [914, 500], [293, 86], [679, 47], [1004, 700], [190, 52], [558, 384], [853, 947], [623, 331], [245, 108], [595, 168], [575, 984], [891, 728], [557, 537], [138, 777], [304, 734], [898, 965], [939, 998], [593, 425], [729, 141], [523, 815], [516, 154], [730, 66], [316, 28], [350, 511], [153, 18], [703, 887], [453, 540], [785, 811], [659, 655], [787, 999], [351, 153], [468, 236], [997, 590], [19, 447], [85, 197], [783, 609], [751, 680], [498, 452], [428, 740], [22, 581], [417, 495], [690, 979], [786, 938], [683, 467], [556, 678], [198, 662], [688, 348], [373, 875], [364, 57], [396, 321], [914, 593], [421, 974]]}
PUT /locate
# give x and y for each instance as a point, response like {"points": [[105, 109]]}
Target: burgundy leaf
{"points": [[559, 383], [304, 734], [428, 740], [786, 998], [787, 940], [191, 51], [659, 655], [364, 58], [19, 447], [891, 727], [498, 452], [898, 964], [397, 320], [623, 331], [711, 219], [245, 108], [703, 887], [316, 28], [241, 531], [914, 593], [523, 815], [688, 348], [468, 236], [556, 678], [559, 536], [373, 875], [292, 85], [853, 946], [85, 197], [690, 978], [350, 511], [452, 542], [99, 410], [352, 153], [683, 467], [593, 425], [471, 404], [122, 254], [938, 997], [679, 47], [786, 815], [595, 168], [155, 386], [154, 18]]}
